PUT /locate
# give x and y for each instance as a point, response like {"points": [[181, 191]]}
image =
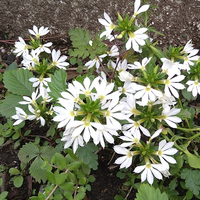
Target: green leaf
{"points": [[184, 114], [68, 186], [57, 84], [1, 140], [12, 66], [47, 152], [88, 156], [80, 196], [3, 195], [7, 107], [74, 165], [18, 181], [14, 171], [146, 191], [36, 171], [17, 82], [192, 181], [28, 152], [79, 37], [188, 95], [60, 178], [192, 159], [59, 160], [50, 176]]}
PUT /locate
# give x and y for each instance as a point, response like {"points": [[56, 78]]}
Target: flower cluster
{"points": [[133, 99], [89, 110]]}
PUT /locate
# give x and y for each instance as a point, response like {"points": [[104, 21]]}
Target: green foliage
{"points": [[17, 82], [82, 49], [3, 195], [193, 160], [30, 151], [57, 84], [87, 154], [146, 191], [12, 66], [70, 178], [192, 181], [7, 107]]}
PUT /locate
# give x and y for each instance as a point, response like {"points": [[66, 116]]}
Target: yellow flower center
{"points": [[136, 124], [131, 35], [167, 82], [108, 113], [160, 152], [129, 154], [148, 165]]}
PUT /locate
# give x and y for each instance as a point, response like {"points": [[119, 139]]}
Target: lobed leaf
{"points": [[192, 181], [146, 191]]}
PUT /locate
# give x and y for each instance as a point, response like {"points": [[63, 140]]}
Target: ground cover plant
{"points": [[134, 98]]}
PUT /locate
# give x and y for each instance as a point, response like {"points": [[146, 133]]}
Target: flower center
{"points": [[148, 165], [160, 152], [167, 82], [131, 35]]}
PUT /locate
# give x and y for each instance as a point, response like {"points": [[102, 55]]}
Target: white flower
{"points": [[171, 68], [164, 150], [130, 139], [21, 47], [130, 106], [37, 115], [65, 114], [138, 65], [122, 66], [169, 118], [135, 126], [86, 127], [113, 112], [38, 32], [96, 61], [72, 95], [125, 76], [188, 60], [156, 134], [21, 116], [69, 139], [194, 87], [171, 84], [126, 160], [87, 86], [44, 93], [44, 47], [104, 90], [165, 101], [147, 93], [137, 38], [59, 61], [114, 51], [127, 89], [107, 23], [188, 48], [107, 133], [149, 171], [32, 58], [32, 100], [138, 10], [40, 81]]}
